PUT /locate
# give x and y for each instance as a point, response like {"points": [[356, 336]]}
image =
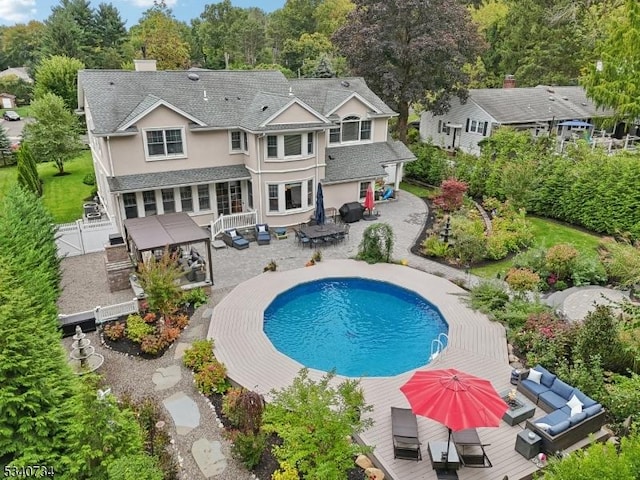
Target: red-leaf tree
{"points": [[451, 194], [410, 51]]}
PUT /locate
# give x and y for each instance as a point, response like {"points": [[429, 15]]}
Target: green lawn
{"points": [[417, 190], [547, 233], [63, 196]]}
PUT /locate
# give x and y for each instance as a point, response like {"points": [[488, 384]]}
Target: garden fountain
{"points": [[83, 358], [446, 231]]}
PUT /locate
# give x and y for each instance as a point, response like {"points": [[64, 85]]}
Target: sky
{"points": [[21, 11]]}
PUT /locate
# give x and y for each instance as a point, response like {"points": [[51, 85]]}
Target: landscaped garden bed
{"points": [[163, 314], [302, 433]]}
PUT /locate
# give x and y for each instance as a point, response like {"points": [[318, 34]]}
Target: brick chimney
{"points": [[509, 81], [145, 65]]}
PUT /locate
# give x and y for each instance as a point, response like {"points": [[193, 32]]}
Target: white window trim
{"points": [[479, 126], [153, 158], [361, 119], [244, 146], [281, 197], [291, 158], [196, 199]]}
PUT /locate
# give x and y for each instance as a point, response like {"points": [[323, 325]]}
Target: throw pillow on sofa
{"points": [[575, 405], [534, 376]]}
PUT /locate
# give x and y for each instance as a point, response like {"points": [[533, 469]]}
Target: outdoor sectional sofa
{"points": [[560, 429]]}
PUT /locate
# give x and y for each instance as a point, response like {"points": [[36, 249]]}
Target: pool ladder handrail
{"points": [[437, 345]]}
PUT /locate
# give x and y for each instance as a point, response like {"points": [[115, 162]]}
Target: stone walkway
{"points": [[576, 302]]}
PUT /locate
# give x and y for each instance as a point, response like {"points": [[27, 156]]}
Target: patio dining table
{"points": [[320, 231]]}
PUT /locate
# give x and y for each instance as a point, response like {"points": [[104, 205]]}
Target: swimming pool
{"points": [[358, 327]]}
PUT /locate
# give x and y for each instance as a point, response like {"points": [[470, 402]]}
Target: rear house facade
{"points": [[215, 143]]}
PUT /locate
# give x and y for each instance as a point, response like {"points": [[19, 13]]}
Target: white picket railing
{"points": [[114, 311], [234, 220]]}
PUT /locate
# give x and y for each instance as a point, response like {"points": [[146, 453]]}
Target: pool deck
{"points": [[476, 345]]}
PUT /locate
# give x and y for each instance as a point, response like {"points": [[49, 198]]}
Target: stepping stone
{"points": [[180, 348], [209, 457], [184, 411], [166, 377], [194, 332]]}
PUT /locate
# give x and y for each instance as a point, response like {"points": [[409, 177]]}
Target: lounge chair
{"points": [[404, 428], [234, 239], [263, 236], [471, 449]]}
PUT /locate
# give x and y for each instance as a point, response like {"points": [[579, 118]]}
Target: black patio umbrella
{"points": [[319, 213]]}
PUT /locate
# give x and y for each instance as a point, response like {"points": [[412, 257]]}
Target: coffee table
{"points": [[438, 456], [520, 413]]}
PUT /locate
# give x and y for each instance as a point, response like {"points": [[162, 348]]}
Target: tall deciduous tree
{"points": [[58, 75], [161, 37], [613, 81], [53, 137], [20, 44], [28, 171], [410, 51]]}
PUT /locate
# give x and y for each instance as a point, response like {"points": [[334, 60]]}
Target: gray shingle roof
{"points": [[355, 162], [325, 94], [142, 181], [223, 98], [541, 103]]}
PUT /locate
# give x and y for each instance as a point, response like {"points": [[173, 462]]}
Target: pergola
{"points": [[172, 230]]}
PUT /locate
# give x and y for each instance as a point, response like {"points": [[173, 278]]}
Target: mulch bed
{"points": [[268, 463], [131, 348]]}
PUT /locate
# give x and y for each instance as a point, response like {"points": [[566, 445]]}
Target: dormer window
{"points": [[352, 129]]}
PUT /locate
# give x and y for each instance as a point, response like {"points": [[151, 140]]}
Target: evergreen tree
{"points": [[28, 171], [111, 37], [6, 153]]}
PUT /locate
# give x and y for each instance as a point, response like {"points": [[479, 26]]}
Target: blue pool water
{"points": [[356, 326]]}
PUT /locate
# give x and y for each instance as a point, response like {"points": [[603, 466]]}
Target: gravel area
{"points": [[133, 375]]}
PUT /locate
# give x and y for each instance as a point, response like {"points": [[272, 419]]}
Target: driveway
{"points": [[14, 129]]}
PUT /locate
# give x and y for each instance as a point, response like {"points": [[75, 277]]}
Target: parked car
{"points": [[10, 116]]}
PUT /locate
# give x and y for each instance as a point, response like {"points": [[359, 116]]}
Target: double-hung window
{"points": [[310, 143], [475, 126], [272, 146], [203, 197], [130, 205], [186, 199], [239, 141], [168, 201], [165, 143], [273, 198], [364, 186], [149, 200]]}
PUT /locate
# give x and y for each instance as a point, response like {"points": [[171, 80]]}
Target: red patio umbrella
{"points": [[454, 398], [368, 200]]}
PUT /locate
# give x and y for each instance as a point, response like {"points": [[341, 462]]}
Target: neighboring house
{"points": [[7, 100], [540, 110], [215, 143], [20, 72]]}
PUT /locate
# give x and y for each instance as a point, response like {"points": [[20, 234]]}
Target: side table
{"points": [[528, 445]]}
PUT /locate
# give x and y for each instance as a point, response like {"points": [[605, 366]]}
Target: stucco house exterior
{"points": [[216, 143], [540, 110]]}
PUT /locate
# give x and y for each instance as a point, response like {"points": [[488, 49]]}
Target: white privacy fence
{"points": [[80, 237], [100, 314], [234, 220]]}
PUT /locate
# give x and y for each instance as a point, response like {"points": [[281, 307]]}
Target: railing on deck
{"points": [[234, 220]]}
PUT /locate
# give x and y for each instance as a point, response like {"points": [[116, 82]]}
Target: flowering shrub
{"points": [[560, 260], [212, 378], [522, 279], [545, 339], [169, 334], [152, 344], [114, 331], [137, 329], [199, 354]]}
